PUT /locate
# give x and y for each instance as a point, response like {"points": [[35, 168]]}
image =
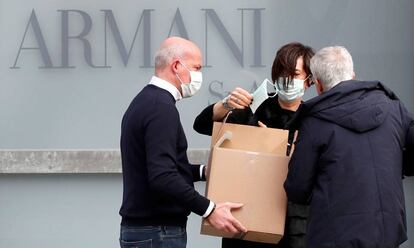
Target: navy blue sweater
{"points": [[158, 179]]}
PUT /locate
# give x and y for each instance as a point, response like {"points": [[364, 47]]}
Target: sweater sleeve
{"points": [[198, 172], [203, 123], [161, 138], [241, 116]]}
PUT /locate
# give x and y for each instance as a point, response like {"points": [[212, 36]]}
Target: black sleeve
{"points": [[163, 176], [242, 116], [195, 170], [408, 155], [302, 168], [204, 121]]}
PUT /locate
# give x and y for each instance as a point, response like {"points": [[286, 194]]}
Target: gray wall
{"points": [[80, 108]]}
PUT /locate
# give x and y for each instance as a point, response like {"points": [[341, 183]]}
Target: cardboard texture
{"points": [[249, 165]]}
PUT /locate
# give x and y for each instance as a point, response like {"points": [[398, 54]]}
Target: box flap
{"points": [[250, 138]]}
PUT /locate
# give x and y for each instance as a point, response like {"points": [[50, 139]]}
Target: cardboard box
{"points": [[249, 165]]}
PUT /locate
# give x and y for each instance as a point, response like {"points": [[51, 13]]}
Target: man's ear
{"points": [[353, 76], [319, 87], [174, 66]]}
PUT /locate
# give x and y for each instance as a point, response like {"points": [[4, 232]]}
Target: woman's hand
{"points": [[238, 99]]}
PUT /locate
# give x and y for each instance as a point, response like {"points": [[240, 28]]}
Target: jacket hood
{"points": [[359, 106]]}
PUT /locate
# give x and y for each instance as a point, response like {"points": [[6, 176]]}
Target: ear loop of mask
{"points": [[274, 86], [181, 81]]}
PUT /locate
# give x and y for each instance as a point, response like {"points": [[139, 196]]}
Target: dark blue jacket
{"points": [[348, 164], [157, 177]]}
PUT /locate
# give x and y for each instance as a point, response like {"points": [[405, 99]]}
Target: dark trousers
{"points": [[153, 237]]}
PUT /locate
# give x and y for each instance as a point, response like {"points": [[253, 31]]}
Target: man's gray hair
{"points": [[167, 53], [332, 65]]}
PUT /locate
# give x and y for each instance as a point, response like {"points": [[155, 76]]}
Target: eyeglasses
{"points": [[311, 80]]}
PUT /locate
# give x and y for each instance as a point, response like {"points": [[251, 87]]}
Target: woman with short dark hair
{"points": [[291, 76]]}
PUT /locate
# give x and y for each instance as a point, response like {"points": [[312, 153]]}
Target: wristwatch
{"points": [[225, 102]]}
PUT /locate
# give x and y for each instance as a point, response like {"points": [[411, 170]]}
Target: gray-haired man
{"points": [[348, 159]]}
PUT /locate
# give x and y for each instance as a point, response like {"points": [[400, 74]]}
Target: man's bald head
{"points": [[174, 60], [174, 48]]}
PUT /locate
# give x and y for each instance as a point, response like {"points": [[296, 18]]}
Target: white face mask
{"points": [[196, 79], [289, 92], [260, 95]]}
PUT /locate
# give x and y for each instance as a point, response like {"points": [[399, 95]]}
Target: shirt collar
{"points": [[161, 83]]}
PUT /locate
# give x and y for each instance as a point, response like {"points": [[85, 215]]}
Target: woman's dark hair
{"points": [[284, 64]]}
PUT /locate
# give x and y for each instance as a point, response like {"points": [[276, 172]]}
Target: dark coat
{"points": [[348, 164]]}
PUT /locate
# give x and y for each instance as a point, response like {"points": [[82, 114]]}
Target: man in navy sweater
{"points": [[158, 179]]}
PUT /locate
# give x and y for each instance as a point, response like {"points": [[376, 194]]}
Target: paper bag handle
{"points": [[226, 136]]}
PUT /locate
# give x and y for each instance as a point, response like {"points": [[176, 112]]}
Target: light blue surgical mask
{"points": [[288, 89], [261, 94]]}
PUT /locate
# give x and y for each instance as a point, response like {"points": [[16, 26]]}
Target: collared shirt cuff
{"points": [[209, 209], [202, 170]]}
